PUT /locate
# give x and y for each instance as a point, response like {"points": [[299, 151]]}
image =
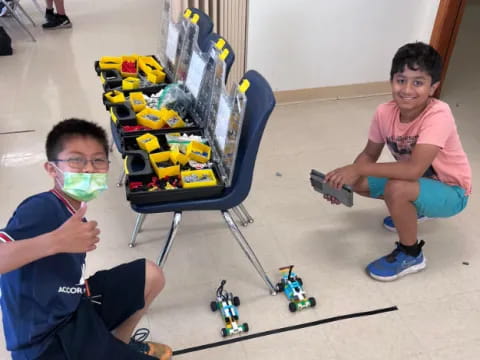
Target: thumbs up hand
{"points": [[75, 235]]}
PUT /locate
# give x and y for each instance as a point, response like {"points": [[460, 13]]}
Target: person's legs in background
{"points": [[58, 20], [49, 12]]}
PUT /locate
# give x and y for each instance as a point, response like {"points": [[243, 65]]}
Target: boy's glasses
{"points": [[79, 163]]}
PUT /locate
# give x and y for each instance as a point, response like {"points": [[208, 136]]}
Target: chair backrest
{"points": [[260, 104], [213, 38], [205, 24]]}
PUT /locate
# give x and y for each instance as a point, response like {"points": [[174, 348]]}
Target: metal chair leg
{"points": [[136, 230], [177, 217], [24, 12], [245, 213], [120, 180], [142, 220], [240, 216], [248, 250], [20, 22]]}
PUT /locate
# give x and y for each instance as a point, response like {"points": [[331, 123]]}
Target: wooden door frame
{"points": [[445, 30]]}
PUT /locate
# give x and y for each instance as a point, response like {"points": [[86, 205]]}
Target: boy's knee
{"points": [[361, 186], [401, 190], [154, 278]]}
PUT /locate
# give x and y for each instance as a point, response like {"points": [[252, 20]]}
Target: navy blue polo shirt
{"points": [[39, 297]]}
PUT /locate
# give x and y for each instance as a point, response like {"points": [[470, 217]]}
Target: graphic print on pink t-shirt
{"points": [[434, 126]]}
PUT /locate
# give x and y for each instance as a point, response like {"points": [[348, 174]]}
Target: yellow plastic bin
{"points": [[148, 142], [148, 64], [137, 101], [110, 63], [115, 96], [162, 170], [198, 151], [198, 178], [156, 76], [151, 118], [130, 83], [172, 119], [178, 157]]}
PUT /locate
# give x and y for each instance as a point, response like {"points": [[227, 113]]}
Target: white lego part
{"points": [[235, 328], [302, 306]]}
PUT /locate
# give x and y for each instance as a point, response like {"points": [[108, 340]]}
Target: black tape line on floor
{"points": [[16, 132], [284, 329]]}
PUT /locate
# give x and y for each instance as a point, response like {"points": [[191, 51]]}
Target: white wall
{"points": [[299, 44]]}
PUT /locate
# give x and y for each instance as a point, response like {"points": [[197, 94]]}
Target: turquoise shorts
{"points": [[436, 199]]}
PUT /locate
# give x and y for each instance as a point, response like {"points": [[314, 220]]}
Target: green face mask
{"points": [[84, 186]]}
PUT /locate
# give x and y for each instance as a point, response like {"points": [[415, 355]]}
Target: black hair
{"points": [[70, 128], [418, 56]]}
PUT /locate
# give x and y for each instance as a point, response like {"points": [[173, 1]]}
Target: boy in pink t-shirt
{"points": [[431, 176]]}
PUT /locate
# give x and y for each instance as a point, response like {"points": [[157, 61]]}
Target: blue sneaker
{"points": [[396, 264], [390, 226]]}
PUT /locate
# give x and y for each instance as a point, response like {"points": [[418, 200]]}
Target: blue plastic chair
{"points": [[205, 39], [205, 24], [240, 211], [212, 39], [260, 103]]}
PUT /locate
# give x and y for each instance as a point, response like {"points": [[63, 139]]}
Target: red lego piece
{"points": [[135, 185], [129, 67], [130, 128]]}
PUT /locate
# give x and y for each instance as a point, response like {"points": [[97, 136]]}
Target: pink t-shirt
{"points": [[434, 126]]}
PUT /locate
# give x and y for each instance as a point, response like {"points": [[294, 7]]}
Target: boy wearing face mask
{"points": [[50, 311]]}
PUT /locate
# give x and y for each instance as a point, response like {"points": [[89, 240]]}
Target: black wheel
{"points": [[280, 287], [224, 332], [236, 301], [312, 301], [245, 327], [292, 307], [300, 281], [213, 306]]}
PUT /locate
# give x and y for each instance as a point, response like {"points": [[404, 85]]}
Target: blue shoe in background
{"points": [[396, 264], [390, 226]]}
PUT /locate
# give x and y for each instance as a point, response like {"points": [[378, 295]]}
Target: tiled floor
{"points": [[438, 313]]}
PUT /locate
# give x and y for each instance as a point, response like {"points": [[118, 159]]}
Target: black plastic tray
{"points": [[163, 196], [129, 139], [148, 90], [124, 139]]}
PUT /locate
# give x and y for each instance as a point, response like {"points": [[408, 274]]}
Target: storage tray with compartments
{"points": [[170, 167]]}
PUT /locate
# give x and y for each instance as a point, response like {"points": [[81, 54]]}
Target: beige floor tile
{"points": [[443, 323], [468, 350], [309, 344], [377, 337], [232, 351]]}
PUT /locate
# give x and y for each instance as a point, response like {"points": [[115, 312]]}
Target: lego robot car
{"points": [[227, 304], [292, 286]]}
